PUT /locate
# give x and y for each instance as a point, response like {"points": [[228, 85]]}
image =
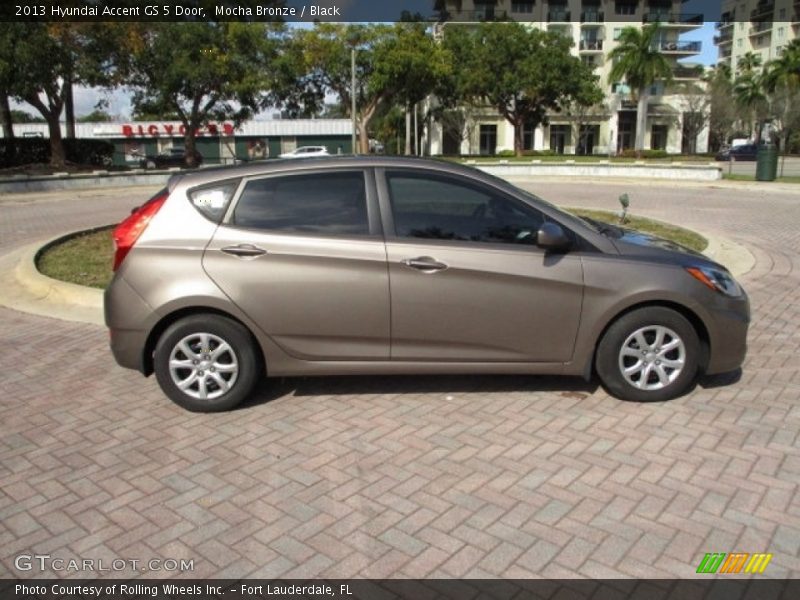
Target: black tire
{"points": [[651, 379], [237, 366]]}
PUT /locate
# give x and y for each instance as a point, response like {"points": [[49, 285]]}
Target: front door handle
{"points": [[426, 264], [244, 250]]}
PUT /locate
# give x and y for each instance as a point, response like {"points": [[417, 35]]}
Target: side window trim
{"points": [[373, 213]]}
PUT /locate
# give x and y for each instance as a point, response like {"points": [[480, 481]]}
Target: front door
{"points": [[303, 257], [468, 282]]}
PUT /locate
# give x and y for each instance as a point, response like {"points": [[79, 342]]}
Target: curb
{"points": [[27, 290]]}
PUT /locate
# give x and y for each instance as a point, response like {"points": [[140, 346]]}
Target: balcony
{"points": [[762, 27], [683, 72], [723, 38], [763, 10], [674, 19], [591, 46], [592, 16], [478, 16], [679, 47], [558, 15]]}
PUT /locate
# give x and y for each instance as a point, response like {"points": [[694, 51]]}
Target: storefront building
{"points": [[217, 142]]}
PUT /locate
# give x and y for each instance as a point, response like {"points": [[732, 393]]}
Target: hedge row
{"points": [[26, 151]]}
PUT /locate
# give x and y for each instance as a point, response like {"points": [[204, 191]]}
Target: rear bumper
{"points": [[125, 314]]}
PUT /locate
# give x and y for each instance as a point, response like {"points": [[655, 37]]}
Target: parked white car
{"points": [[306, 151]]}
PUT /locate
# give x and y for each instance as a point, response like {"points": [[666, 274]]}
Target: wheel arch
{"points": [[691, 316], [161, 326]]}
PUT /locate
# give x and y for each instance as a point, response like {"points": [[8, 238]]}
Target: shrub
{"points": [[630, 153], [505, 153], [26, 151]]}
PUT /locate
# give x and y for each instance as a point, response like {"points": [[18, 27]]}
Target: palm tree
{"points": [[781, 79], [786, 69], [638, 60], [748, 92], [748, 63]]}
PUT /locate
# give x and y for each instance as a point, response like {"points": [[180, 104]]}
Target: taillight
{"points": [[126, 233]]}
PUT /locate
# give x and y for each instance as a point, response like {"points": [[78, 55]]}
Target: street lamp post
{"points": [[353, 95]]}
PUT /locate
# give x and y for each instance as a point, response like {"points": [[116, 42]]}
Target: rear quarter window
{"points": [[212, 201]]}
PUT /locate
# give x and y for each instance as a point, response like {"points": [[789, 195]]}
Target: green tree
{"points": [[751, 99], [39, 62], [201, 71], [748, 63], [782, 81], [637, 59], [397, 64], [523, 73], [722, 112], [96, 116], [21, 116]]}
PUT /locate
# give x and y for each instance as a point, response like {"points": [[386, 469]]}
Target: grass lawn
{"points": [[563, 158], [87, 258], [682, 236]]}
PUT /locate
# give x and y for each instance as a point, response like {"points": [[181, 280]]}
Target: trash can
{"points": [[767, 163]]}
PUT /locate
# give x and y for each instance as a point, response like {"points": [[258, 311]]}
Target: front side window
{"points": [[313, 203], [430, 206]]}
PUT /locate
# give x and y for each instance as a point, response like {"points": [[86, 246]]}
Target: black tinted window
{"points": [[325, 203], [434, 207]]}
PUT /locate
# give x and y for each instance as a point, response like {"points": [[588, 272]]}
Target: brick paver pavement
{"points": [[408, 476]]}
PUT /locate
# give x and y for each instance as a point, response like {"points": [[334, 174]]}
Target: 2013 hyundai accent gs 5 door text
{"points": [[378, 265]]}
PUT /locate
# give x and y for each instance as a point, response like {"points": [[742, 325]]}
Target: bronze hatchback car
{"points": [[378, 265]]}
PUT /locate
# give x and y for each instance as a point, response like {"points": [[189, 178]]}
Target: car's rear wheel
{"points": [[648, 355], [206, 363]]}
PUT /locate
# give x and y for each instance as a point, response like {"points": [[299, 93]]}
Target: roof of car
{"points": [[218, 173]]}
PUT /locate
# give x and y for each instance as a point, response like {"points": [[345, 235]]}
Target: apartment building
{"points": [[763, 27], [593, 26]]}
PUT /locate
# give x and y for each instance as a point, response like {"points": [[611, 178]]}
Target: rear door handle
{"points": [[426, 264], [244, 250]]}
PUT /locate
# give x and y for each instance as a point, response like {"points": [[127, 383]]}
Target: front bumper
{"points": [[728, 335]]}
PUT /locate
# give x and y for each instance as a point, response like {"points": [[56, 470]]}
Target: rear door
{"points": [[303, 255], [468, 282]]}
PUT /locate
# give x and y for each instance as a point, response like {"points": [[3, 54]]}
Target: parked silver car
{"points": [[376, 265]]}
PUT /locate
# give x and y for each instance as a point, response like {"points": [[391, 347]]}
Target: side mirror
{"points": [[552, 236]]}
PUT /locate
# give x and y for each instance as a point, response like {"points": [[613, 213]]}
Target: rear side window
{"points": [[320, 203], [212, 201]]}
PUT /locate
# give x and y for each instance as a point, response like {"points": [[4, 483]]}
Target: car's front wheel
{"points": [[206, 363], [649, 354]]}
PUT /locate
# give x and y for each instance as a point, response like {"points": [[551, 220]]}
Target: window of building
{"points": [[318, 203], [739, 43], [431, 206], [625, 7], [488, 139], [617, 32], [559, 138], [658, 137], [528, 136], [588, 59], [520, 6], [782, 14], [781, 32]]}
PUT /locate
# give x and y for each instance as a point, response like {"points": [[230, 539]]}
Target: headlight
{"points": [[718, 280]]}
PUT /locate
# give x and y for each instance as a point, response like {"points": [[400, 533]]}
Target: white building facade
{"points": [[610, 128], [763, 27]]}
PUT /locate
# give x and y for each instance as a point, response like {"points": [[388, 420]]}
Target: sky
{"points": [[119, 103]]}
